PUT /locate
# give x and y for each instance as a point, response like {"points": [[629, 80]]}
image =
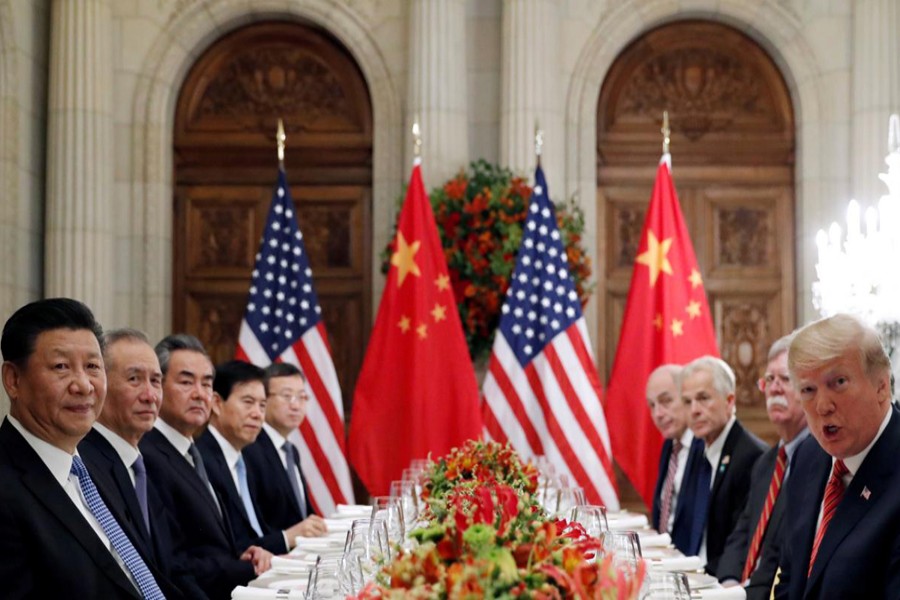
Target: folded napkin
{"points": [[339, 524], [345, 511], [319, 543], [247, 593], [654, 540], [292, 565], [732, 593], [677, 563], [628, 522]]}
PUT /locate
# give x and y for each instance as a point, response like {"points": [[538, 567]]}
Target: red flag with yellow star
{"points": [[417, 391], [667, 320]]}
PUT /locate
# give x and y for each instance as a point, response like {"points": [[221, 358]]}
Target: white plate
{"points": [[698, 581]]}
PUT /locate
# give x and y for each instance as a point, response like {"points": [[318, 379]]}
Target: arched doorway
{"points": [[226, 166], [733, 165]]}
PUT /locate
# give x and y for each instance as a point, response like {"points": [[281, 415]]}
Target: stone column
{"points": [[437, 87], [531, 88], [875, 93], [80, 156]]}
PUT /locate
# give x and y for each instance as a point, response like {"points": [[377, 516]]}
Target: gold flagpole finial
{"points": [[538, 143], [666, 132], [280, 138], [417, 138]]}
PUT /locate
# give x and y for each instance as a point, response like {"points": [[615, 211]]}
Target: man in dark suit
{"points": [[57, 537], [239, 403], [708, 384], [752, 550], [280, 488], [678, 461], [111, 454], [843, 500], [209, 549]]}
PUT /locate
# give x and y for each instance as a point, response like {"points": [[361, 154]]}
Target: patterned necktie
{"points": [[668, 490], [834, 491], [292, 468], [771, 497], [117, 538], [197, 461], [245, 495], [140, 488]]}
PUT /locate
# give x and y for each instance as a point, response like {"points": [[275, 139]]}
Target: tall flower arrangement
{"points": [[486, 537], [480, 214]]}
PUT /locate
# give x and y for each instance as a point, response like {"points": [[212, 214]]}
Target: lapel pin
{"points": [[866, 493]]}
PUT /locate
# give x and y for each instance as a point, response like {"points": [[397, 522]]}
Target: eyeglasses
{"points": [[291, 398]]}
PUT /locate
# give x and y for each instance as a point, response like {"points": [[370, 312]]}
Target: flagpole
{"points": [[417, 141], [666, 139], [538, 143], [280, 138]]}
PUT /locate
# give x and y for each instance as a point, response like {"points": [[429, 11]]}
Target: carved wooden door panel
{"points": [[226, 168], [733, 164]]}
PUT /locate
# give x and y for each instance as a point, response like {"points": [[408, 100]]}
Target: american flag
{"points": [[283, 323], [542, 392]]}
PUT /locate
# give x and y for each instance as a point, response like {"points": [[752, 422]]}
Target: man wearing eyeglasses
{"points": [[279, 487]]}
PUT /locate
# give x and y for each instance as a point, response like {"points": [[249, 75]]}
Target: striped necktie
{"points": [[668, 490], [834, 491], [120, 542], [771, 497]]}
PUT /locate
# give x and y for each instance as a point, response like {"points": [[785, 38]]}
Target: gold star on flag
{"points": [[655, 257], [442, 282], [677, 327], [422, 330], [403, 324], [658, 321], [695, 278], [439, 312], [693, 309], [404, 258]]}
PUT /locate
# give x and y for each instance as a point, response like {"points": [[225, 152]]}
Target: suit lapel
{"points": [[122, 481], [724, 466], [220, 473], [183, 469], [270, 452]]}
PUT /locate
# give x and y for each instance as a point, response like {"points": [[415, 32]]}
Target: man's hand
{"points": [[312, 526], [260, 557]]}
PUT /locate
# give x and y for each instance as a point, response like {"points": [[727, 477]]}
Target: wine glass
{"points": [[625, 547], [567, 498], [391, 511], [406, 492], [666, 585], [591, 517]]}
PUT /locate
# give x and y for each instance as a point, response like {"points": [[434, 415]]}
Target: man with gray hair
{"points": [[707, 385], [843, 498], [752, 549]]}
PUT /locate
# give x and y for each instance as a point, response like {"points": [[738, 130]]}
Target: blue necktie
{"points": [[140, 488], [245, 496], [120, 542], [292, 466]]}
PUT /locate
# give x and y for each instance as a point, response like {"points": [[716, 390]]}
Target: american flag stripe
{"points": [[322, 378], [514, 405]]}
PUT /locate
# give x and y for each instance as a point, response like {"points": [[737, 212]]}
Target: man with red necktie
{"points": [[751, 552], [843, 498]]}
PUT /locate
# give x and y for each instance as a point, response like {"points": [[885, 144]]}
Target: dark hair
{"points": [[233, 372], [174, 342], [26, 324], [281, 369]]}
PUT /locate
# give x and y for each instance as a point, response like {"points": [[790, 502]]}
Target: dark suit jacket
{"points": [[272, 489], [208, 550], [685, 516], [220, 476], [860, 554], [731, 565], [111, 477], [47, 548], [730, 489]]}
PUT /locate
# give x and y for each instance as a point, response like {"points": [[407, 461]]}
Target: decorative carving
{"points": [[744, 235], [629, 223], [279, 79], [704, 87], [745, 335], [218, 318], [223, 238], [326, 231]]}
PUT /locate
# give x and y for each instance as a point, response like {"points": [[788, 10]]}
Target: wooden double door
{"points": [[225, 173]]}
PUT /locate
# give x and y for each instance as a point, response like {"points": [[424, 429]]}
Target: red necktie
{"points": [[669, 488], [771, 497], [834, 491]]}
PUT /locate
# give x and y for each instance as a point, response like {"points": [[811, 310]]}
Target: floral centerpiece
{"points": [[480, 214], [486, 537]]}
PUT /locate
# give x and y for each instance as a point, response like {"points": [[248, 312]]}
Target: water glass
{"points": [[665, 585], [591, 517], [391, 511]]}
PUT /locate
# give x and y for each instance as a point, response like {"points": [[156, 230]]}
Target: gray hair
{"points": [[780, 346], [175, 342], [828, 339], [722, 375]]}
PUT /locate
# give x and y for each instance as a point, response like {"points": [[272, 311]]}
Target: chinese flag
{"points": [[667, 320], [417, 391]]}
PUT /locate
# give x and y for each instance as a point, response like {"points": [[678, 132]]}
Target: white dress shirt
{"points": [[127, 453]]}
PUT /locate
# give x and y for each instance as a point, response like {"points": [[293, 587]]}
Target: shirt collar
{"points": [[58, 461], [854, 462], [232, 454], [713, 452], [277, 439], [792, 445], [126, 451], [181, 442], [687, 438]]}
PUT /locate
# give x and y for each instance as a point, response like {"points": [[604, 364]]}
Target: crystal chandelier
{"points": [[855, 274]]}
